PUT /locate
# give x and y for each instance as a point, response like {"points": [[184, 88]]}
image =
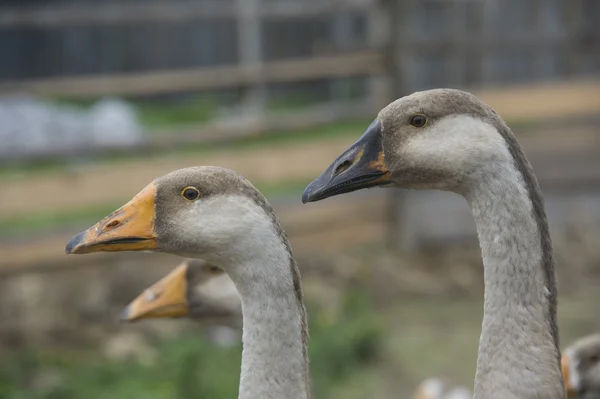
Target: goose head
{"points": [[209, 213], [194, 289], [581, 367], [434, 139]]}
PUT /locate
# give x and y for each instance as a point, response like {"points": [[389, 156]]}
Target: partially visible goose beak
{"points": [[129, 228], [362, 165], [165, 298], [565, 366]]}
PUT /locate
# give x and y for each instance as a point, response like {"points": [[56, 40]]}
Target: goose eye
{"points": [[214, 269], [418, 120], [190, 193], [594, 358]]}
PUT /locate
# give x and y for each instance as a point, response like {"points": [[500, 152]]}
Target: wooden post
{"points": [[455, 58], [341, 37], [379, 23], [532, 10], [486, 13], [474, 62], [570, 56], [399, 53], [250, 54]]}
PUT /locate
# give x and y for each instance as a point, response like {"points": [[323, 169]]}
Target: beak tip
{"points": [[310, 192], [305, 197], [125, 315], [74, 244]]}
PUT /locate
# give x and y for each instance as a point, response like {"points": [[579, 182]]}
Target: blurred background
{"points": [[97, 98]]}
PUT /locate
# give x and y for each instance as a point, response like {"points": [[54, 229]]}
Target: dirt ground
{"points": [[99, 184]]}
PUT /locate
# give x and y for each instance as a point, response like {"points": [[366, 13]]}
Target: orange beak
{"points": [[166, 298], [129, 228], [564, 363]]}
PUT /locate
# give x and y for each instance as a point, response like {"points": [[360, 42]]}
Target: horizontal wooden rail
{"points": [[205, 78], [543, 101], [161, 12]]}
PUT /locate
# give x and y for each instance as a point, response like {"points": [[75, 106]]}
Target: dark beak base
{"points": [[361, 166]]}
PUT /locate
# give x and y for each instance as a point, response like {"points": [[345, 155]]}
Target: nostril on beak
{"points": [[342, 167], [112, 224]]}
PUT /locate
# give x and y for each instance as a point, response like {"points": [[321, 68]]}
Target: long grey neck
{"points": [[518, 348], [274, 357]]}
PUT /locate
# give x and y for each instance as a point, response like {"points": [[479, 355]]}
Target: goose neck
{"points": [[518, 351], [274, 356]]}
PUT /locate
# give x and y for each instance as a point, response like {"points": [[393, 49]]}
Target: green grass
{"points": [[32, 222], [193, 109], [189, 367], [438, 337], [355, 353], [157, 114]]}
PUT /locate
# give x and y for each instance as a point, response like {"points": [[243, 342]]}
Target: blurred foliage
{"points": [[200, 108], [167, 114], [189, 367]]}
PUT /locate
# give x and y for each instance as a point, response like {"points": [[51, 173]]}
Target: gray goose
{"points": [[195, 289], [448, 139], [581, 367], [217, 215]]}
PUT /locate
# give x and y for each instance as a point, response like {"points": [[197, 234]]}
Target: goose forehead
{"points": [[437, 103], [208, 179], [216, 287], [195, 266], [200, 273]]}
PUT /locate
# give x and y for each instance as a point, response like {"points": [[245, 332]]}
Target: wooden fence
{"points": [[390, 57]]}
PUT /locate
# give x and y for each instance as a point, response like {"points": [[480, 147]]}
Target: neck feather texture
{"points": [[274, 357], [518, 350]]}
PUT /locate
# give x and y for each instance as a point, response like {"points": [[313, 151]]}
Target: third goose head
{"points": [[194, 289]]}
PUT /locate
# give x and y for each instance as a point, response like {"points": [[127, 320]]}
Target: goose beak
{"points": [[129, 228], [166, 298], [362, 165], [564, 363]]}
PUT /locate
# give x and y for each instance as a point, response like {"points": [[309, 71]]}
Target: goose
{"points": [[448, 139], [440, 388], [194, 289], [215, 214], [581, 367]]}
